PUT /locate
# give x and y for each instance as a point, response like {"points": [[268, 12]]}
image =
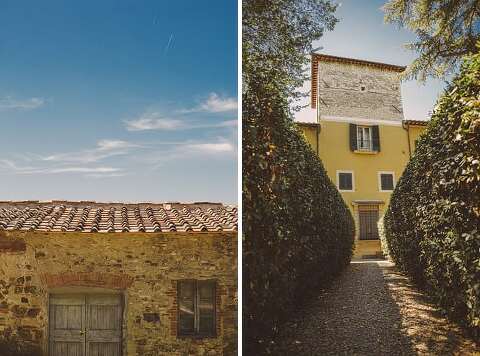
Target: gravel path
{"points": [[372, 309]]}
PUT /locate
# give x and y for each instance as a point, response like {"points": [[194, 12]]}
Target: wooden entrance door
{"points": [[85, 325], [368, 216]]}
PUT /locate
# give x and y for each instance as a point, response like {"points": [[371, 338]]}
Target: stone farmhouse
{"points": [[355, 124], [111, 279]]}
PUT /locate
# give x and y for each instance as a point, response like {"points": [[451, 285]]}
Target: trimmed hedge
{"points": [[298, 232], [432, 224]]}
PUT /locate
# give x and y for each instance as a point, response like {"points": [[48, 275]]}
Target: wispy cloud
{"points": [[24, 170], [153, 121], [106, 175], [156, 121], [220, 147], [104, 149], [10, 103], [214, 104]]}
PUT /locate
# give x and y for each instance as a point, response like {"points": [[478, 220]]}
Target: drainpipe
{"points": [[408, 138], [318, 128]]}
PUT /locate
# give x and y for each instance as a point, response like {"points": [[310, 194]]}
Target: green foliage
{"points": [[298, 232], [432, 224], [446, 31], [277, 36]]}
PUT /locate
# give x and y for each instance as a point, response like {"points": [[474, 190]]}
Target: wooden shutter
{"points": [[186, 307], [206, 307], [375, 138], [353, 137], [104, 325]]}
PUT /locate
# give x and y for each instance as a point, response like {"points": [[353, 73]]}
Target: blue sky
{"points": [[361, 33], [118, 100]]}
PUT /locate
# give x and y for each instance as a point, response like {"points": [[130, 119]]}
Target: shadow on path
{"points": [[371, 309]]}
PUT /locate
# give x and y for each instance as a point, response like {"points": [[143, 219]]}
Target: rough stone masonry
{"points": [[358, 91]]}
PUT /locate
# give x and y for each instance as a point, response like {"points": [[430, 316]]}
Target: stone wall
{"points": [[145, 267], [358, 91]]}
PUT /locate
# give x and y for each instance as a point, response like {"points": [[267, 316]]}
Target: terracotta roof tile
{"points": [[116, 217]]}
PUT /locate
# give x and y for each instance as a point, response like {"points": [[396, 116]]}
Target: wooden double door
{"points": [[85, 325]]}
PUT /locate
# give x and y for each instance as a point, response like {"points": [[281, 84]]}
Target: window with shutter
{"points": [[345, 181], [386, 181], [196, 308], [364, 138]]}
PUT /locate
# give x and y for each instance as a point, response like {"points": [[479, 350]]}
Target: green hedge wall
{"points": [[432, 225], [298, 232]]}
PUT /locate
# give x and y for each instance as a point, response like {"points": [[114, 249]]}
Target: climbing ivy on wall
{"points": [[432, 225]]}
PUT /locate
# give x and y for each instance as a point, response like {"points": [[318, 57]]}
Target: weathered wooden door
{"points": [[67, 325], [85, 325], [104, 325]]}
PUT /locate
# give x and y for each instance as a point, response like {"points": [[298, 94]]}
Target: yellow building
{"points": [[359, 133]]}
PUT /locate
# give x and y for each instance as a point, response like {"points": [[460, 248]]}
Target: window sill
{"points": [[197, 336], [365, 152]]}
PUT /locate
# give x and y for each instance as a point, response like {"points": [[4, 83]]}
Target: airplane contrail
{"points": [[167, 47]]}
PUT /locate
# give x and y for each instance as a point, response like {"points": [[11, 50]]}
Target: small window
{"points": [[196, 308], [345, 181], [364, 138], [386, 181]]}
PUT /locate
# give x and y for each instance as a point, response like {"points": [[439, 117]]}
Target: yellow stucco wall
{"points": [[415, 132], [335, 153]]}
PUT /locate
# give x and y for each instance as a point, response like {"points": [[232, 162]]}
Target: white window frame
{"points": [[363, 129], [338, 181], [380, 181]]}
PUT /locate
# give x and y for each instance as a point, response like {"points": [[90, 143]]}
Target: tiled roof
{"points": [[116, 217], [416, 122], [307, 124]]}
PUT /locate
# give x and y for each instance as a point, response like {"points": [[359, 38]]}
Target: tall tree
{"points": [[446, 31], [278, 36]]}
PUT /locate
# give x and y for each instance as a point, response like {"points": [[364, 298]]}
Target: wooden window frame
{"points": [[370, 138], [197, 334], [380, 189], [338, 181]]}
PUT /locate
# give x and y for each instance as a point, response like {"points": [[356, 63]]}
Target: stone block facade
{"points": [[143, 267], [358, 91]]}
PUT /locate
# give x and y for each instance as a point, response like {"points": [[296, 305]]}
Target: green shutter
{"points": [[353, 137], [375, 138]]}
